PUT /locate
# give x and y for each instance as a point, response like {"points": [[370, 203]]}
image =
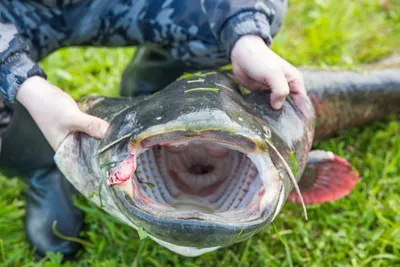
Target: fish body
{"points": [[200, 165], [344, 99]]}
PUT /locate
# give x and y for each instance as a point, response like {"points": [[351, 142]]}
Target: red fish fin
{"points": [[326, 178]]}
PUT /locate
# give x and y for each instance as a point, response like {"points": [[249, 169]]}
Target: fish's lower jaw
{"points": [[184, 251]]}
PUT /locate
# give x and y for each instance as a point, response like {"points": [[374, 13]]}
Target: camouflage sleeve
{"points": [[57, 3], [231, 19], [15, 64]]}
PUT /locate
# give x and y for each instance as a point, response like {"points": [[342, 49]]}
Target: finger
{"points": [[248, 82], [280, 89], [252, 85], [93, 126], [294, 78]]}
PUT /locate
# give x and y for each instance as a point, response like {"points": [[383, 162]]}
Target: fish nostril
{"points": [[201, 169]]}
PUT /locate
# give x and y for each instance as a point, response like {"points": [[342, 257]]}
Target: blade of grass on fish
{"points": [[291, 176], [223, 86], [199, 74], [241, 231], [113, 143], [109, 163], [142, 233], [70, 238], [210, 89], [151, 185], [226, 67], [99, 191], [294, 163], [196, 81]]}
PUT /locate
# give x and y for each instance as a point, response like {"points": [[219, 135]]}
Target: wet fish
{"points": [[202, 164]]}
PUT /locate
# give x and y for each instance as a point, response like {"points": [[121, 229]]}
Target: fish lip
{"points": [[192, 230]]}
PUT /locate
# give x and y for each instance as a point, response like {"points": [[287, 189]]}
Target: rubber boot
{"points": [[150, 70], [26, 153]]}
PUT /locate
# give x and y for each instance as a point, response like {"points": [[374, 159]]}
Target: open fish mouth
{"points": [[210, 178], [202, 178]]}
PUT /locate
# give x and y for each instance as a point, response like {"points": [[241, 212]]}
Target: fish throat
{"points": [[199, 175]]}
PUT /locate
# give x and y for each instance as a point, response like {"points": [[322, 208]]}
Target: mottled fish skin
{"points": [[344, 99], [249, 120]]}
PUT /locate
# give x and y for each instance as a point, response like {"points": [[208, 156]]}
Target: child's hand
{"points": [[259, 68], [56, 113]]}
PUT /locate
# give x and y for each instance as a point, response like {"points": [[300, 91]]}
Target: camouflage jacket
{"points": [[200, 32]]}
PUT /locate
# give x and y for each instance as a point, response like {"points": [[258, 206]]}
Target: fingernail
{"points": [[102, 131], [278, 104]]}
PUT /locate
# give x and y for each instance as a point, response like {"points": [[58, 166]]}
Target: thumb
{"points": [[91, 125]]}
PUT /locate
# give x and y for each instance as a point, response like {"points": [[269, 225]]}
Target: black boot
{"points": [[150, 70], [26, 153]]}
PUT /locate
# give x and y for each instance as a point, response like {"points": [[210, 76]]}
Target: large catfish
{"points": [[201, 164]]}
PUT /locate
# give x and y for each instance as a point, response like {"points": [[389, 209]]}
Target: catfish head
{"points": [[198, 165]]}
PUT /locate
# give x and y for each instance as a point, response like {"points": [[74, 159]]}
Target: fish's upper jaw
{"points": [[203, 180]]}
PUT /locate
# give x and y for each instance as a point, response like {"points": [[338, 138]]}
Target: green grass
{"points": [[362, 229]]}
